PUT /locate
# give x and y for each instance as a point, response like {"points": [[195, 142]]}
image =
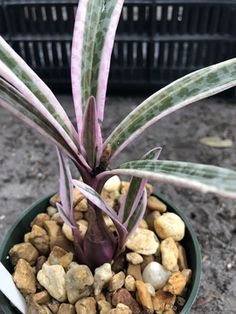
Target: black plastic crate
{"points": [[156, 42]]}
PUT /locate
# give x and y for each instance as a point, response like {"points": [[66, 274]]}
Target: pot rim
{"points": [[191, 233]]}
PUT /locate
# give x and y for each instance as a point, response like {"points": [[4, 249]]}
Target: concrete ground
{"points": [[28, 171]]}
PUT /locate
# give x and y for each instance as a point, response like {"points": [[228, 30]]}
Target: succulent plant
{"points": [[25, 95]]}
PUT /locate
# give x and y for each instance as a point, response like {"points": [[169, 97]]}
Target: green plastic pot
{"points": [[16, 235]]}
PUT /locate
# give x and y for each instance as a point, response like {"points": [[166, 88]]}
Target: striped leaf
{"points": [[135, 192], [95, 26], [91, 135], [137, 216], [13, 100], [205, 178], [66, 191], [31, 82], [184, 91]]}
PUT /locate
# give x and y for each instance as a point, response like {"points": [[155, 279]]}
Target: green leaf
{"points": [[205, 178], [93, 39], [30, 79], [184, 91], [14, 101]]}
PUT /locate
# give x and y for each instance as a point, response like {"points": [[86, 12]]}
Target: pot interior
{"points": [[22, 226]]}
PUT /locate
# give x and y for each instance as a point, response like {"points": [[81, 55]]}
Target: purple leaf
{"points": [[10, 77], [96, 199], [95, 27], [91, 136], [137, 216], [135, 192], [76, 60], [106, 58], [66, 190], [32, 82], [100, 245]]}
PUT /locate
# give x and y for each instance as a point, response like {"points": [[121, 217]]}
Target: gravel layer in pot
{"points": [[110, 286]]}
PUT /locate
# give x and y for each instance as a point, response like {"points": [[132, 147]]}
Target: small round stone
{"points": [[155, 274], [130, 283], [112, 184], [169, 225], [144, 242], [134, 258]]}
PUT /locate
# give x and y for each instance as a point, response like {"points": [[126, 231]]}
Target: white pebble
{"points": [[112, 184], [155, 274]]}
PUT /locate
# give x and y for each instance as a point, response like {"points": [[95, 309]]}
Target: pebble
{"points": [[113, 184], [58, 256], [120, 309], [68, 232], [78, 282], [176, 283], [82, 206], [77, 196], [150, 288], [24, 251], [143, 241], [39, 263], [117, 281], [169, 225], [154, 203], [163, 301], [123, 296], [66, 308], [103, 306], [155, 274], [51, 210], [135, 271], [144, 296], [146, 260], [130, 283], [143, 224], [182, 258], [134, 258], [40, 219], [52, 278], [24, 277], [82, 226], [151, 218], [57, 217], [54, 200], [149, 189], [169, 254], [102, 276], [39, 239], [33, 307], [86, 306], [41, 297], [56, 235]]}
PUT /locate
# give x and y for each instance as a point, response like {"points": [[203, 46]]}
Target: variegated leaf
{"points": [[135, 192], [95, 26], [191, 88], [137, 216], [38, 88], [91, 135], [205, 178], [66, 190], [14, 101]]}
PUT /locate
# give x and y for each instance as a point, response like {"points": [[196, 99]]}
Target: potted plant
{"points": [[109, 229]]}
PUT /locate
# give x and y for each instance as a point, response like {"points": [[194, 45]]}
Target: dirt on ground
{"points": [[29, 170]]}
